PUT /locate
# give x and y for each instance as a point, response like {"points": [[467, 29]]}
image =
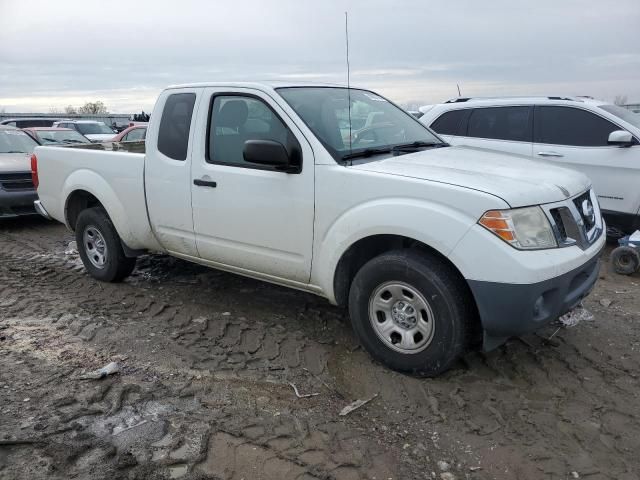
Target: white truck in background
{"points": [[428, 245]]}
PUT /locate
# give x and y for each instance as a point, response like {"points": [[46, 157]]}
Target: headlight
{"points": [[523, 228]]}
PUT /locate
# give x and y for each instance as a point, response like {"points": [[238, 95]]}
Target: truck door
{"points": [[248, 217], [168, 171]]}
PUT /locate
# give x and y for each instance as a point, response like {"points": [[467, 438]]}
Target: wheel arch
{"points": [[86, 189], [367, 248], [77, 201]]}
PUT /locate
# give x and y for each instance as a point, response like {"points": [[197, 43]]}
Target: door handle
{"points": [[204, 183], [550, 154]]}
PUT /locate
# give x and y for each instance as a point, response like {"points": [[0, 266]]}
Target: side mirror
{"points": [[266, 152], [621, 138]]}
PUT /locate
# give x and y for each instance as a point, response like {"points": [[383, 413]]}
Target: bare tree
{"points": [[93, 108], [620, 100], [54, 110], [70, 110]]}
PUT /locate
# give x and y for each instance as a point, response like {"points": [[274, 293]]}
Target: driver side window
{"points": [[236, 119]]}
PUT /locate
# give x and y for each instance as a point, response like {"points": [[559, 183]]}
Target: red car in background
{"points": [[132, 134]]}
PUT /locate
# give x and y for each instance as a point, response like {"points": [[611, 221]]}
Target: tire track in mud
{"points": [[57, 288]]}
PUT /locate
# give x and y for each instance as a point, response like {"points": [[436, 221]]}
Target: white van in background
{"points": [[596, 138]]}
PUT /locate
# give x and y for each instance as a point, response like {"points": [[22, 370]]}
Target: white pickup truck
{"points": [[430, 246]]}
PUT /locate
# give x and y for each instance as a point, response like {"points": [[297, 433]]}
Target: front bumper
{"points": [[509, 310], [17, 203]]}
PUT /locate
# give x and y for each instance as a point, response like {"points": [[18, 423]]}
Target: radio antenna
{"points": [[346, 36], [459, 94]]}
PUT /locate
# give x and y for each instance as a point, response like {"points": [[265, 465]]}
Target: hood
{"points": [[100, 137], [516, 179], [15, 162]]}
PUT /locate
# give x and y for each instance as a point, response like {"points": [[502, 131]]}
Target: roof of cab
{"points": [[264, 86]]}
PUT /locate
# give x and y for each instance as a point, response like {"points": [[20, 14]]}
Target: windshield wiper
{"points": [[403, 148], [367, 152], [415, 145], [13, 151]]}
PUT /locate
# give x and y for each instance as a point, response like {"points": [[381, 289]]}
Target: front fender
{"points": [[439, 226]]}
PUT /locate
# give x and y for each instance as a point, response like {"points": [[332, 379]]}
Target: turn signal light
{"points": [[499, 223]]}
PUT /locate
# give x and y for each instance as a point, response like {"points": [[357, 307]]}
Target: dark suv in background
{"points": [[29, 122]]}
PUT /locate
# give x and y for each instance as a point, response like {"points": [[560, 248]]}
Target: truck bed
{"points": [[109, 171]]}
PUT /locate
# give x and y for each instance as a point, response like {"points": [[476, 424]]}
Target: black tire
{"points": [[449, 299], [116, 265], [625, 260]]}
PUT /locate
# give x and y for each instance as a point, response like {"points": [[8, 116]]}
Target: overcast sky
{"points": [[66, 52]]}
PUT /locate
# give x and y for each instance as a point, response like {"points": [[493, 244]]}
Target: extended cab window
{"points": [[450, 122], [236, 119], [173, 134], [501, 123], [572, 126]]}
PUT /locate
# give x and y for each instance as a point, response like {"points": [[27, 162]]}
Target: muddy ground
{"points": [[207, 362]]}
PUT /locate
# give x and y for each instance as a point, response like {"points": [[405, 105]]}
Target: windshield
{"points": [[15, 141], [624, 114], [61, 136], [376, 124], [94, 128]]}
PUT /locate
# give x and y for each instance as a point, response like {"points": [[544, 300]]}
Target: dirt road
{"points": [[207, 362]]}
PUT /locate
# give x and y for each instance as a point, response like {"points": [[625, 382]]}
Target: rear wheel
{"points": [[411, 311], [100, 247]]}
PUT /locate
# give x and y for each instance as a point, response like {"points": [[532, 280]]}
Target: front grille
{"points": [[16, 181], [17, 210], [575, 221]]}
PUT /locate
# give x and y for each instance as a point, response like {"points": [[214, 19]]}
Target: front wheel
{"points": [[411, 311], [100, 248]]}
